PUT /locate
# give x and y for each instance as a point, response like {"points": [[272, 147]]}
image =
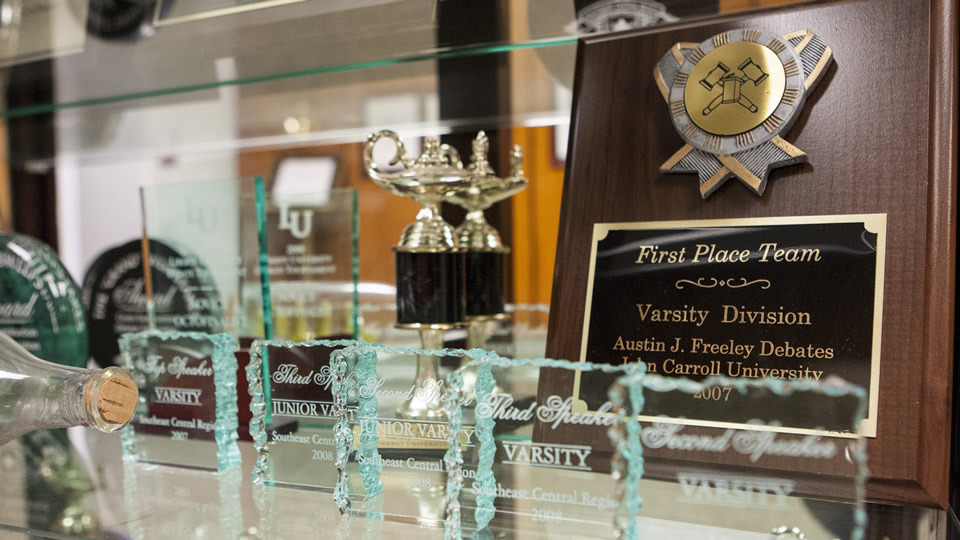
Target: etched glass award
{"points": [[213, 228], [529, 468], [500, 463], [115, 296], [187, 413], [748, 474], [40, 304], [311, 246], [292, 425], [391, 462]]}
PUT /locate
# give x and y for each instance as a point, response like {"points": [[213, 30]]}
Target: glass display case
{"points": [[172, 97]]}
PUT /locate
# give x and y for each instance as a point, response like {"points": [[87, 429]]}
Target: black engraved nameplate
{"points": [[793, 298]]}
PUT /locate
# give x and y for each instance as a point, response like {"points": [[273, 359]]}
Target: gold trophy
{"points": [[485, 252], [429, 259]]}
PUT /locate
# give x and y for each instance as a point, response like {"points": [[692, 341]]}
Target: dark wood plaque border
{"points": [[881, 135]]}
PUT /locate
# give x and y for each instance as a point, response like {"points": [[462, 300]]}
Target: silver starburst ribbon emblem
{"points": [[732, 96]]}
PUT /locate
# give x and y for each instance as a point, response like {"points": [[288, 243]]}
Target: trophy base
{"points": [[426, 403], [422, 411], [436, 326]]}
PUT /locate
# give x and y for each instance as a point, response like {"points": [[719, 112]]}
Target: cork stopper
{"points": [[112, 400]]}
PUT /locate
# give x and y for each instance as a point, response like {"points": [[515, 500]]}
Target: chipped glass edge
{"points": [[365, 355], [626, 395], [225, 388]]}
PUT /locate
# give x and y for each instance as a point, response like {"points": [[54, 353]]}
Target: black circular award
{"points": [[185, 297], [116, 19]]}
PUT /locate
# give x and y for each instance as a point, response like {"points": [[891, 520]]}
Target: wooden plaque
{"points": [[880, 132]]}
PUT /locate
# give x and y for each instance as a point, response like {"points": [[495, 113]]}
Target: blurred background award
{"points": [[485, 252], [429, 260], [602, 16]]}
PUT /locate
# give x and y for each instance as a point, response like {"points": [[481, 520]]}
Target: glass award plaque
{"points": [[293, 416], [756, 478], [392, 433], [478, 463], [213, 228], [187, 413], [513, 474], [311, 248]]}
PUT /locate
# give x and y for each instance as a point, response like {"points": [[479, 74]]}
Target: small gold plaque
{"points": [[734, 88]]}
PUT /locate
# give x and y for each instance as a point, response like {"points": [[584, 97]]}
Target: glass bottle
{"points": [[36, 394]]}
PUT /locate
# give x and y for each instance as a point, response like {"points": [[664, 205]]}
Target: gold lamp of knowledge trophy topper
{"points": [[429, 259]]}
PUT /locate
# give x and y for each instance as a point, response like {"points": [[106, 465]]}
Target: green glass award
{"points": [[214, 224], [40, 304], [293, 416], [40, 309], [527, 470], [390, 464]]}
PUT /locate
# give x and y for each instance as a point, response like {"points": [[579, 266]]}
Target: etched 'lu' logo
{"points": [[203, 217], [290, 221]]}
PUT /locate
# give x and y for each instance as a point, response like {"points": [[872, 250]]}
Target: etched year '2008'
{"points": [[547, 516]]}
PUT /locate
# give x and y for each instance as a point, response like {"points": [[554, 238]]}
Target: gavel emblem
{"points": [[731, 84]]}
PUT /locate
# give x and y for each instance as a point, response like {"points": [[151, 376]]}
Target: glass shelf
{"points": [[310, 110], [190, 47], [107, 499], [287, 41], [204, 80]]}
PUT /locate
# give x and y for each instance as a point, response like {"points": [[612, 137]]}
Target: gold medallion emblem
{"points": [[732, 96], [739, 85]]}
